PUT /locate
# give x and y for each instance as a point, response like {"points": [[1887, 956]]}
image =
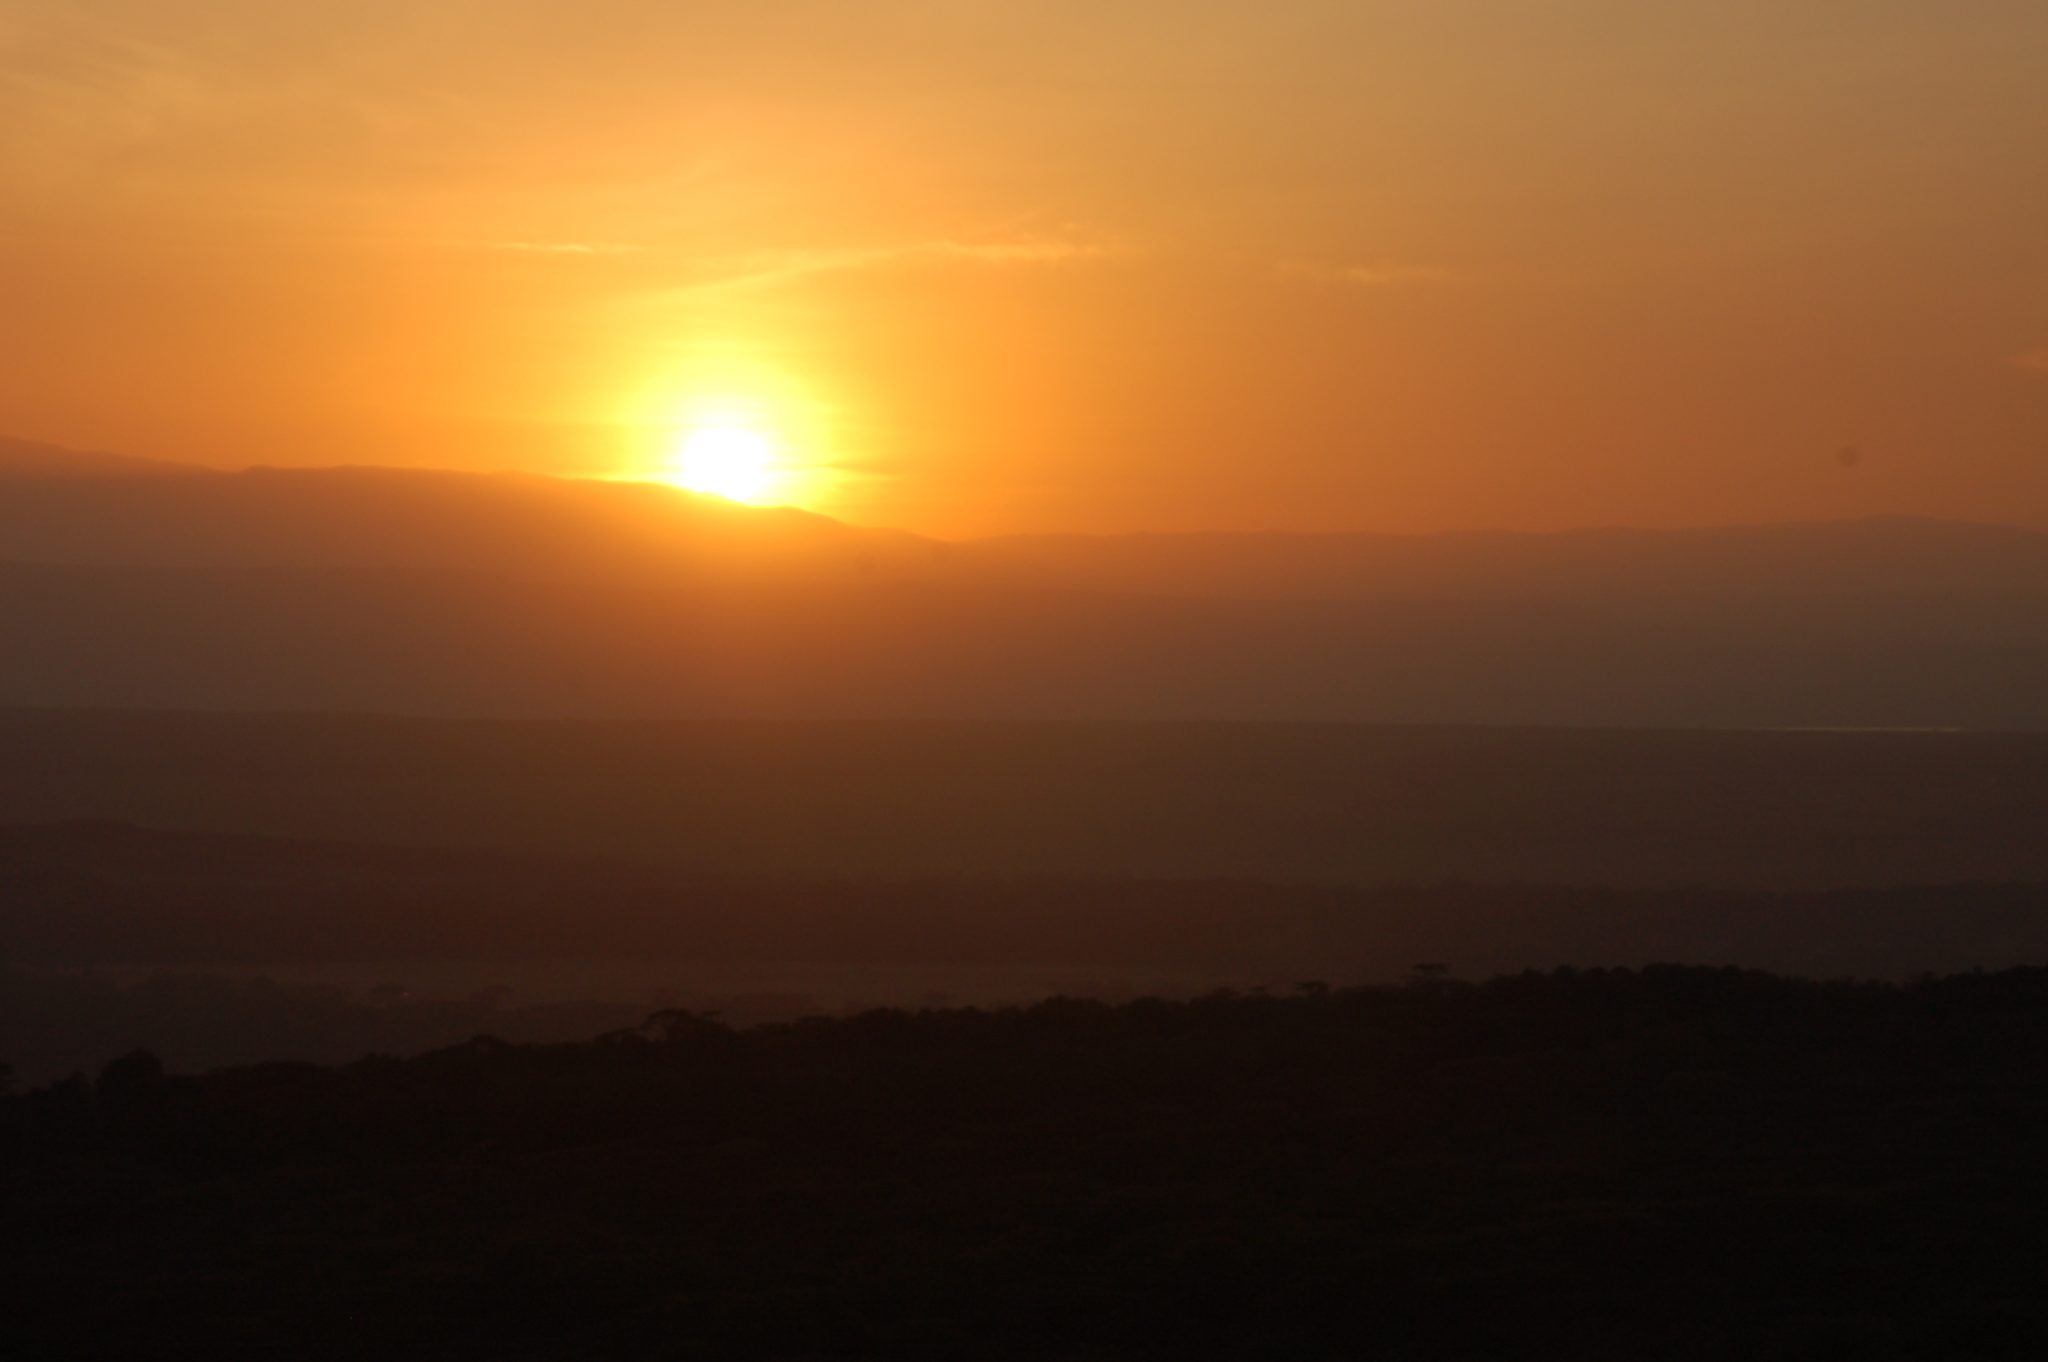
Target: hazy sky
{"points": [[1006, 265]]}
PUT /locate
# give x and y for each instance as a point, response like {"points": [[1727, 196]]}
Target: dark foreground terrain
{"points": [[1666, 1163]]}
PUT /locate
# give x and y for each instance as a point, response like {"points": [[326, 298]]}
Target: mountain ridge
{"points": [[21, 458], [532, 525], [522, 525], [443, 592], [1817, 556]]}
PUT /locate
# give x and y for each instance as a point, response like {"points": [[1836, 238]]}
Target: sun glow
{"points": [[733, 428], [732, 461]]}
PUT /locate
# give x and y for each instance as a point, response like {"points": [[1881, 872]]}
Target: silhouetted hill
{"points": [[383, 519], [1897, 556], [89, 507], [77, 508], [511, 595], [1304, 803], [25, 459]]}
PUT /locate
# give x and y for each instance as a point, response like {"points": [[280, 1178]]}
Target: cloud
{"points": [[561, 247], [767, 268], [1023, 252], [1365, 276], [2033, 361]]}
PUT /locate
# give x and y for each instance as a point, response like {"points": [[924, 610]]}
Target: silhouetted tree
{"points": [[133, 1073]]}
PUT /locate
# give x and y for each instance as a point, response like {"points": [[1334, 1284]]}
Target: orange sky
{"points": [[988, 266]]}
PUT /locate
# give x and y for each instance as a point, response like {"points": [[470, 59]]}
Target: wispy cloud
{"points": [[561, 247], [764, 269], [1046, 251], [2033, 361], [1365, 276]]}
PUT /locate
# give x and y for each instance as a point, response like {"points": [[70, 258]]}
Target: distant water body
{"points": [[1855, 728]]}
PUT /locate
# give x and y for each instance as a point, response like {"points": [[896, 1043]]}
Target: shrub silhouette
{"points": [[132, 1074]]}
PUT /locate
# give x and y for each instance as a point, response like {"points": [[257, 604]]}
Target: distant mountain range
{"points": [[498, 594], [1905, 555], [32, 459], [528, 527]]}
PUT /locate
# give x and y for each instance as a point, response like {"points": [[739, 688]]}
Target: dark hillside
{"points": [[1665, 1164], [1280, 802], [83, 895], [218, 949]]}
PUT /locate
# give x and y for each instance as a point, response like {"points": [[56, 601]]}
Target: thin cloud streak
{"points": [[562, 247], [1366, 276], [766, 269]]}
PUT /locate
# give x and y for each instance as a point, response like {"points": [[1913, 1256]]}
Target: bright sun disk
{"points": [[728, 461]]}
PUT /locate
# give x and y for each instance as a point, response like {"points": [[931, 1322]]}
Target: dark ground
{"points": [[1671, 1163]]}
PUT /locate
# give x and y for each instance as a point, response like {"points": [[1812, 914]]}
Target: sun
{"points": [[744, 434], [727, 460]]}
